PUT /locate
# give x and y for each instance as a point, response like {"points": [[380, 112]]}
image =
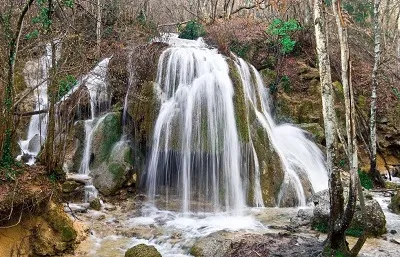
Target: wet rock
{"points": [[303, 218], [95, 204], [70, 186], [394, 205], [142, 250], [316, 131], [107, 133], [111, 166], [235, 244], [375, 218], [215, 244], [35, 143], [76, 152]]}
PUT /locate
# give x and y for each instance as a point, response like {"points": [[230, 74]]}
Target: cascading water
{"points": [[197, 154], [36, 75], [96, 84], [296, 152]]}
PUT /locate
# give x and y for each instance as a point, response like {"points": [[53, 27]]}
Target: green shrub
{"points": [[65, 85], [239, 49], [365, 180], [192, 30], [284, 30]]}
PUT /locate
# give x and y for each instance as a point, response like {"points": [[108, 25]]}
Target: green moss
{"points": [[143, 110], [239, 103], [395, 203], [117, 170], [142, 250], [362, 101], [196, 252], [95, 204], [365, 180], [60, 222], [269, 75], [391, 185], [106, 135], [354, 231], [321, 227]]}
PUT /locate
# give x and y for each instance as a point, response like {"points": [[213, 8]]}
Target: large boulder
{"points": [[375, 220], [111, 175], [107, 131], [142, 250]]}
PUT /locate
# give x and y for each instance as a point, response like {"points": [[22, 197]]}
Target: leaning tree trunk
{"points": [[377, 51], [336, 240]]}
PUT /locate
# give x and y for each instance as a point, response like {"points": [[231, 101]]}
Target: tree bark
{"points": [[336, 240], [376, 176], [98, 29]]}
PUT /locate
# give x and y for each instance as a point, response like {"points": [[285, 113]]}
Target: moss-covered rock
{"points": [[271, 172], [60, 222], [111, 175], [95, 204], [394, 205], [239, 103], [105, 135], [375, 221], [69, 186], [316, 130], [142, 250], [142, 108]]}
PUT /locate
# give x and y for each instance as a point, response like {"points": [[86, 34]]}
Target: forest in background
{"points": [[92, 30]]}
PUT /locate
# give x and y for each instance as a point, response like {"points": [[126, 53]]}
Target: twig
{"points": [[16, 224]]}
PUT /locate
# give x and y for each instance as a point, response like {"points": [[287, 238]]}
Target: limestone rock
{"points": [[142, 250], [375, 221], [215, 244]]}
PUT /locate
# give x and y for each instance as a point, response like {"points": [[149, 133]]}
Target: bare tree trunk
{"points": [[398, 42], [336, 240], [98, 29], [373, 171]]}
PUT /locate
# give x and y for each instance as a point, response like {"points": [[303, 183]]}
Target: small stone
{"points": [[110, 208], [176, 235], [101, 217], [393, 232], [395, 241], [95, 204], [69, 186], [142, 250]]}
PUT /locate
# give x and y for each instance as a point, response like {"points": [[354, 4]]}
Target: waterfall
{"points": [[96, 84], [195, 141], [197, 155], [36, 74]]}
